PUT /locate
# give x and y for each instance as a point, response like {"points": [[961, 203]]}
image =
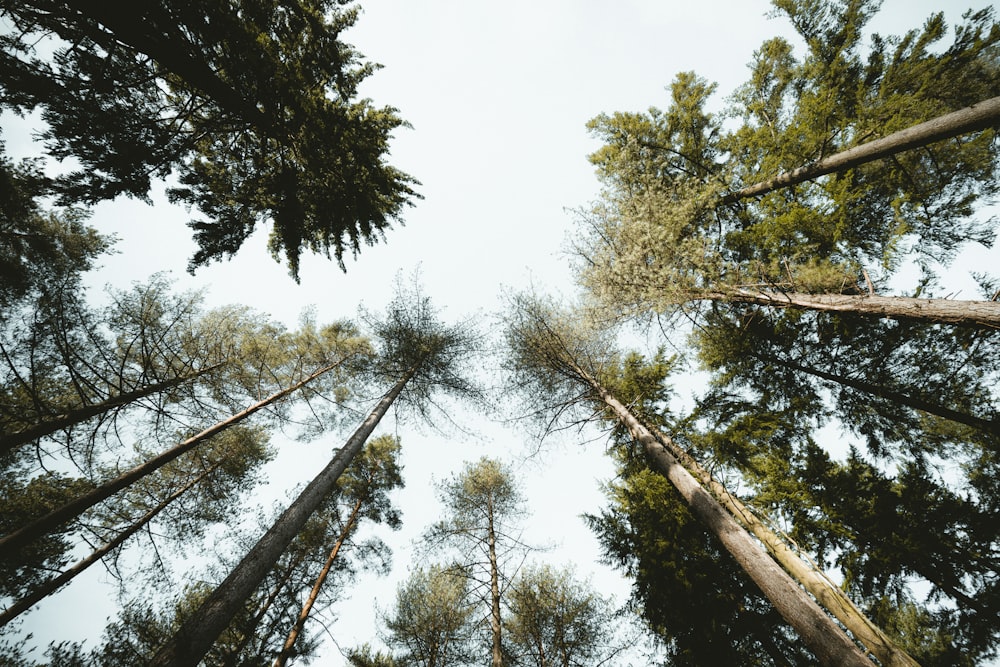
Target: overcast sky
{"points": [[498, 95]]}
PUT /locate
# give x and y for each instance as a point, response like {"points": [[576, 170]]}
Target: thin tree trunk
{"points": [[494, 587], [832, 598], [10, 441], [74, 508], [286, 650], [52, 585], [983, 314], [195, 637], [987, 425], [979, 116], [823, 637]]}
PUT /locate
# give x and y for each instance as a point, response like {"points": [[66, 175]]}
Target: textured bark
{"points": [[74, 508], [195, 637], [832, 598], [10, 441], [987, 425], [286, 649], [823, 637], [985, 314], [977, 117], [54, 584]]}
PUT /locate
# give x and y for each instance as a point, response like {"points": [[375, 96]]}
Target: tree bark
{"points": [[987, 425], [823, 637], [54, 584], [195, 637], [11, 441], [300, 622], [832, 598], [983, 314], [495, 627], [979, 116], [74, 508]]}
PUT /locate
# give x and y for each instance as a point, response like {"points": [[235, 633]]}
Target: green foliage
{"points": [[430, 624], [554, 619], [254, 107]]}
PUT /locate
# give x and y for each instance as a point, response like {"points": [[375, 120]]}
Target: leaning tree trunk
{"points": [[832, 598], [977, 117], [286, 650], [986, 425], [11, 441], [195, 637], [75, 508], [983, 314], [823, 637], [52, 585]]}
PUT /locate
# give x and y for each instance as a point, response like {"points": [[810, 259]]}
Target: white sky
{"points": [[498, 95]]}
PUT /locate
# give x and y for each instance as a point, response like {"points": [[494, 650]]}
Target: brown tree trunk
{"points": [[983, 314], [495, 627], [52, 585], [74, 508], [977, 117], [300, 622], [195, 637], [10, 441], [823, 637], [832, 598]]}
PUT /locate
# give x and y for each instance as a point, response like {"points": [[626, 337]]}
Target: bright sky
{"points": [[498, 96]]}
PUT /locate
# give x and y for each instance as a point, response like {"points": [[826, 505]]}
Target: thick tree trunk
{"points": [[74, 508], [300, 622], [832, 598], [54, 584], [10, 441], [987, 425], [495, 627], [195, 637], [977, 117], [823, 637], [984, 314]]}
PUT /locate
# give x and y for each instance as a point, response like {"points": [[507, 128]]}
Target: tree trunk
{"points": [[987, 425], [982, 314], [233, 658], [52, 585], [286, 650], [832, 598], [977, 117], [11, 441], [495, 627], [74, 508], [195, 637], [823, 637]]}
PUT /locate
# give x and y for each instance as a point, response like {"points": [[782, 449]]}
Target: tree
{"points": [[365, 485], [236, 454], [480, 504], [422, 355], [555, 621], [254, 107], [546, 353], [431, 622], [664, 236]]}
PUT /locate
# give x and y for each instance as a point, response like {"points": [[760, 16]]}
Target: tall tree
{"points": [[481, 504], [364, 486], [546, 354], [422, 355], [254, 105], [663, 237]]}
